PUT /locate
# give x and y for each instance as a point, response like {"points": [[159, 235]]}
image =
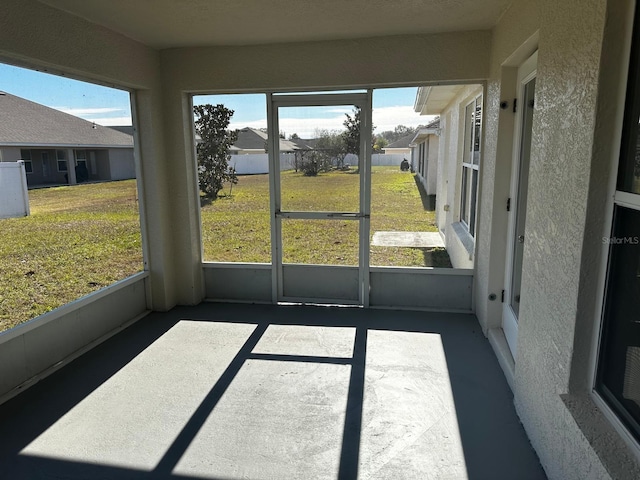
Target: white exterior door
{"points": [[516, 239]]}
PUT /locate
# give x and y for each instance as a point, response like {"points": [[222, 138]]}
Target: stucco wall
{"points": [[569, 432], [340, 63]]}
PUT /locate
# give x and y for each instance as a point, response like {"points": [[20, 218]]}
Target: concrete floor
{"points": [[228, 392]]}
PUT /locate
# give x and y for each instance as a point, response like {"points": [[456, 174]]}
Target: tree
{"points": [[351, 137], [379, 142], [213, 150], [328, 149]]}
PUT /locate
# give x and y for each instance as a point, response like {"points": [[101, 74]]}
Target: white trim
{"points": [[256, 266], [423, 309], [320, 100], [64, 160], [424, 270], [413, 270], [526, 73], [626, 199], [366, 133], [317, 300], [142, 210], [498, 342], [274, 203], [471, 166], [318, 215]]}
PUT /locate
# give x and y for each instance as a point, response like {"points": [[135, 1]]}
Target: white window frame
{"points": [[622, 199], [468, 214], [62, 160], [81, 156]]}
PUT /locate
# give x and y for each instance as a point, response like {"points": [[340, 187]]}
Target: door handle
{"points": [[520, 238]]}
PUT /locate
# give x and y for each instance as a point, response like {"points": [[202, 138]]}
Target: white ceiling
{"points": [[180, 23]]}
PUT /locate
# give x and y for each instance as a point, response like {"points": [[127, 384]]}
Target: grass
{"points": [[76, 240], [82, 238], [236, 228]]}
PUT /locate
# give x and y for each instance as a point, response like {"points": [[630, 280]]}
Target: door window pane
{"points": [[319, 162], [629, 169], [320, 242]]}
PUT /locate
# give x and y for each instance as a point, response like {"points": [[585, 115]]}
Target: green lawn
{"points": [[82, 238], [236, 228], [76, 240]]}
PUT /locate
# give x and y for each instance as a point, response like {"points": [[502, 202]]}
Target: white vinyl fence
{"points": [[14, 196], [379, 159], [251, 164]]}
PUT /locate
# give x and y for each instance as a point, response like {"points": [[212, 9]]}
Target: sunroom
{"points": [[540, 205]]}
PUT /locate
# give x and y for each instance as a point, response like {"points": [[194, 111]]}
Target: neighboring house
{"points": [[448, 161], [400, 146], [58, 148], [424, 146], [249, 153], [254, 141]]}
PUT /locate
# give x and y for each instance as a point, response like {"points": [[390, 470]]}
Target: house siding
{"points": [[121, 164], [459, 244]]}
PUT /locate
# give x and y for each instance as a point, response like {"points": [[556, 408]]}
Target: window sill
{"points": [[467, 241], [615, 454]]}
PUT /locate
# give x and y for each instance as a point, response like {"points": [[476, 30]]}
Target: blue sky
{"points": [[391, 107], [105, 106], [109, 106]]}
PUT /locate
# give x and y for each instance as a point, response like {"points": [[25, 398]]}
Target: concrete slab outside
{"points": [[407, 239], [224, 391]]}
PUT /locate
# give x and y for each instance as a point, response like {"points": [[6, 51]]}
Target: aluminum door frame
{"points": [[364, 102]]}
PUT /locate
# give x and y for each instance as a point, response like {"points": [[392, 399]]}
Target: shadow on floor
{"points": [[394, 357]]}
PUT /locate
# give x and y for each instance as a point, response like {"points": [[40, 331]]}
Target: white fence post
{"points": [[14, 195]]}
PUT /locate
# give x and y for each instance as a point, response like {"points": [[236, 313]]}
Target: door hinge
{"points": [[515, 105], [508, 204], [502, 297]]}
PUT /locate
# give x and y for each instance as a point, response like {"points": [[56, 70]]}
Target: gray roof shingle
{"points": [[26, 123], [402, 142], [254, 139]]}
